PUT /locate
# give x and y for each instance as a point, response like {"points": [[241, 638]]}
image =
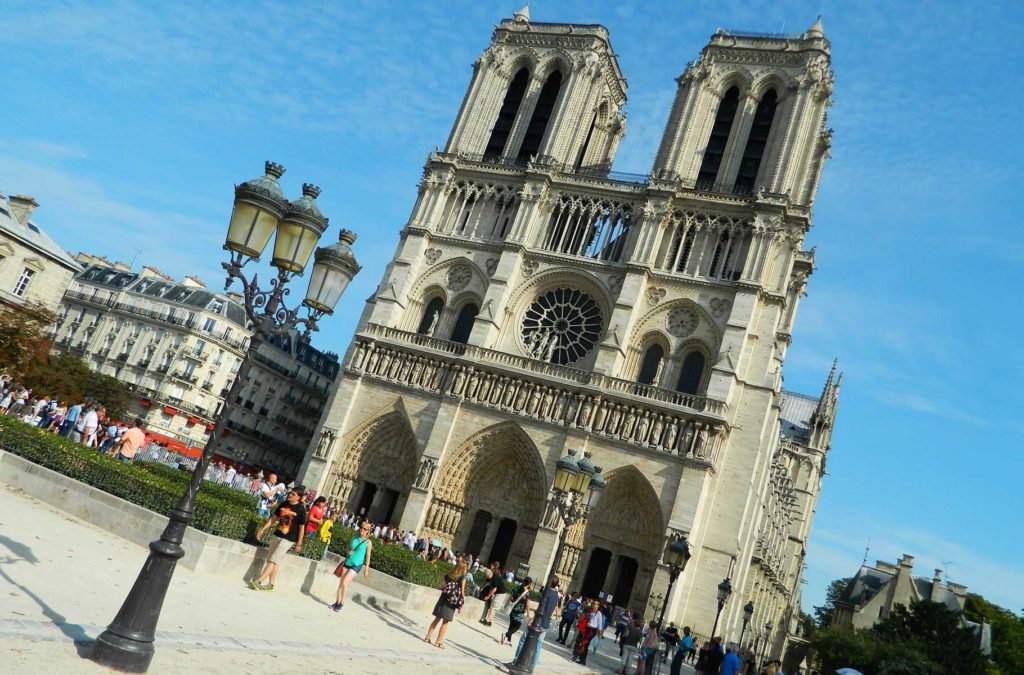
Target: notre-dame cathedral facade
{"points": [[538, 302]]}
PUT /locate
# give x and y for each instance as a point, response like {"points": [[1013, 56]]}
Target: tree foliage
{"points": [[24, 337], [26, 353], [823, 614], [926, 638], [1007, 632]]}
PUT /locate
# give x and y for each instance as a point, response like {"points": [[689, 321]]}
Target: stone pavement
{"points": [[62, 580]]}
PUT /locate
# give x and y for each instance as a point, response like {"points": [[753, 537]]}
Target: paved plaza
{"points": [[62, 580]]}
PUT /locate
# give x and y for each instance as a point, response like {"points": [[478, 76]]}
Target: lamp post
{"points": [[767, 641], [748, 612], [260, 209], [677, 554], [658, 602], [724, 591], [575, 493]]}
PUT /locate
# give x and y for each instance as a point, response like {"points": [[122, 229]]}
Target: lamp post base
{"points": [[127, 643], [524, 662]]}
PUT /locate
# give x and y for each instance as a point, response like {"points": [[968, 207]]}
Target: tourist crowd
{"points": [[82, 422]]}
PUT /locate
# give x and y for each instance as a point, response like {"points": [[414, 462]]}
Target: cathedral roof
{"points": [[797, 410]]}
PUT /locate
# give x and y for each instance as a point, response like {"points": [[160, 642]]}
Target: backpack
{"points": [[451, 594]]}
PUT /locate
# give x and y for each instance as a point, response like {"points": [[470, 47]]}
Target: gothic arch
{"points": [[629, 525], [552, 61], [540, 284], [657, 320], [779, 81], [738, 77], [438, 281], [555, 278], [497, 471], [381, 452], [521, 58]]}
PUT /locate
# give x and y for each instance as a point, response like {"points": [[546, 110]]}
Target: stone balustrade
{"points": [[637, 415]]}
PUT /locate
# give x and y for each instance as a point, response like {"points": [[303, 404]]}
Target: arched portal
{"points": [[375, 472], [615, 551], [490, 495]]}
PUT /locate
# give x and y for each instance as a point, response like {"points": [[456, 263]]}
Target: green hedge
{"points": [[220, 510], [156, 491], [216, 490]]}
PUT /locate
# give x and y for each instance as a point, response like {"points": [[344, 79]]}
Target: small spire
{"points": [[815, 31], [310, 190], [523, 15]]}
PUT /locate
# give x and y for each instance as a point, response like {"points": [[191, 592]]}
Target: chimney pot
{"points": [[23, 207]]}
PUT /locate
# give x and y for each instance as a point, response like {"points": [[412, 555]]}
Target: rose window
{"points": [[562, 326]]}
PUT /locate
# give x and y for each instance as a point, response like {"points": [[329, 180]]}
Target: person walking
{"points": [[731, 663], [569, 613], [548, 604], [489, 591], [590, 626], [520, 610], [268, 494], [631, 636], [500, 591], [289, 520], [129, 442], [358, 560], [648, 649], [452, 597], [682, 651]]}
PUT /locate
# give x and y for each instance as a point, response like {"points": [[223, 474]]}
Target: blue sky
{"points": [[131, 121]]}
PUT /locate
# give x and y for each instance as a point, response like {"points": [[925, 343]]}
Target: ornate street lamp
{"points": [[260, 209], [767, 641], [748, 612], [575, 493], [724, 591], [677, 554]]}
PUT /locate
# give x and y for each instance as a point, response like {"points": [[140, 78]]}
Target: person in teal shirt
{"points": [[358, 560], [731, 664]]}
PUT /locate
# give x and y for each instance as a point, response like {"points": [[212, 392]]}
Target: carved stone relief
{"points": [[682, 322], [432, 255], [458, 277]]}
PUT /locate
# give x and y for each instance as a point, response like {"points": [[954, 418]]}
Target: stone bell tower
{"points": [[538, 302]]}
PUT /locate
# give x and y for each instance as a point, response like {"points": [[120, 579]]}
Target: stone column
{"points": [[543, 554]]}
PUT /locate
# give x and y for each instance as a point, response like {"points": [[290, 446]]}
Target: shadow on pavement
{"points": [[23, 553]]}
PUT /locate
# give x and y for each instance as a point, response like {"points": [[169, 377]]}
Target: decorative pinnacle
{"points": [[310, 190], [347, 237], [273, 169]]}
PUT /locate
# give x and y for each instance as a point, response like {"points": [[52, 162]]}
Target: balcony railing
{"points": [[163, 368], [639, 415]]}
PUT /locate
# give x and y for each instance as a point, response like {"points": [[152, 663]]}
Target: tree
{"points": [[26, 353], [823, 614], [1007, 632], [936, 632], [24, 337]]}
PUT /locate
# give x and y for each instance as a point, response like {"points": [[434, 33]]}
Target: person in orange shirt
{"points": [[131, 441]]}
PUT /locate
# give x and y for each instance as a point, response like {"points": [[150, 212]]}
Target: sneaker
{"points": [[268, 587], [255, 585], [337, 606]]}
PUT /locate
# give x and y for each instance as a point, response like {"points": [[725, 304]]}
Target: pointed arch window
{"points": [[651, 365], [753, 152], [586, 143], [507, 114], [464, 323], [431, 316], [691, 374], [541, 115], [723, 252], [719, 139]]}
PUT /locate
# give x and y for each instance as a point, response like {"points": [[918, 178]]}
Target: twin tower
{"points": [[749, 114], [539, 303]]}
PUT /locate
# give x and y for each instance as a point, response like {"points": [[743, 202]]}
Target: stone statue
{"points": [[657, 374], [323, 448], [433, 323], [549, 346], [425, 475]]}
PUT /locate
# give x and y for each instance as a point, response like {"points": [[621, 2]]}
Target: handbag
{"points": [[452, 595], [340, 569]]}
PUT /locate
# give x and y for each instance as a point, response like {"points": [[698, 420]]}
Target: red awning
{"points": [[174, 445]]}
